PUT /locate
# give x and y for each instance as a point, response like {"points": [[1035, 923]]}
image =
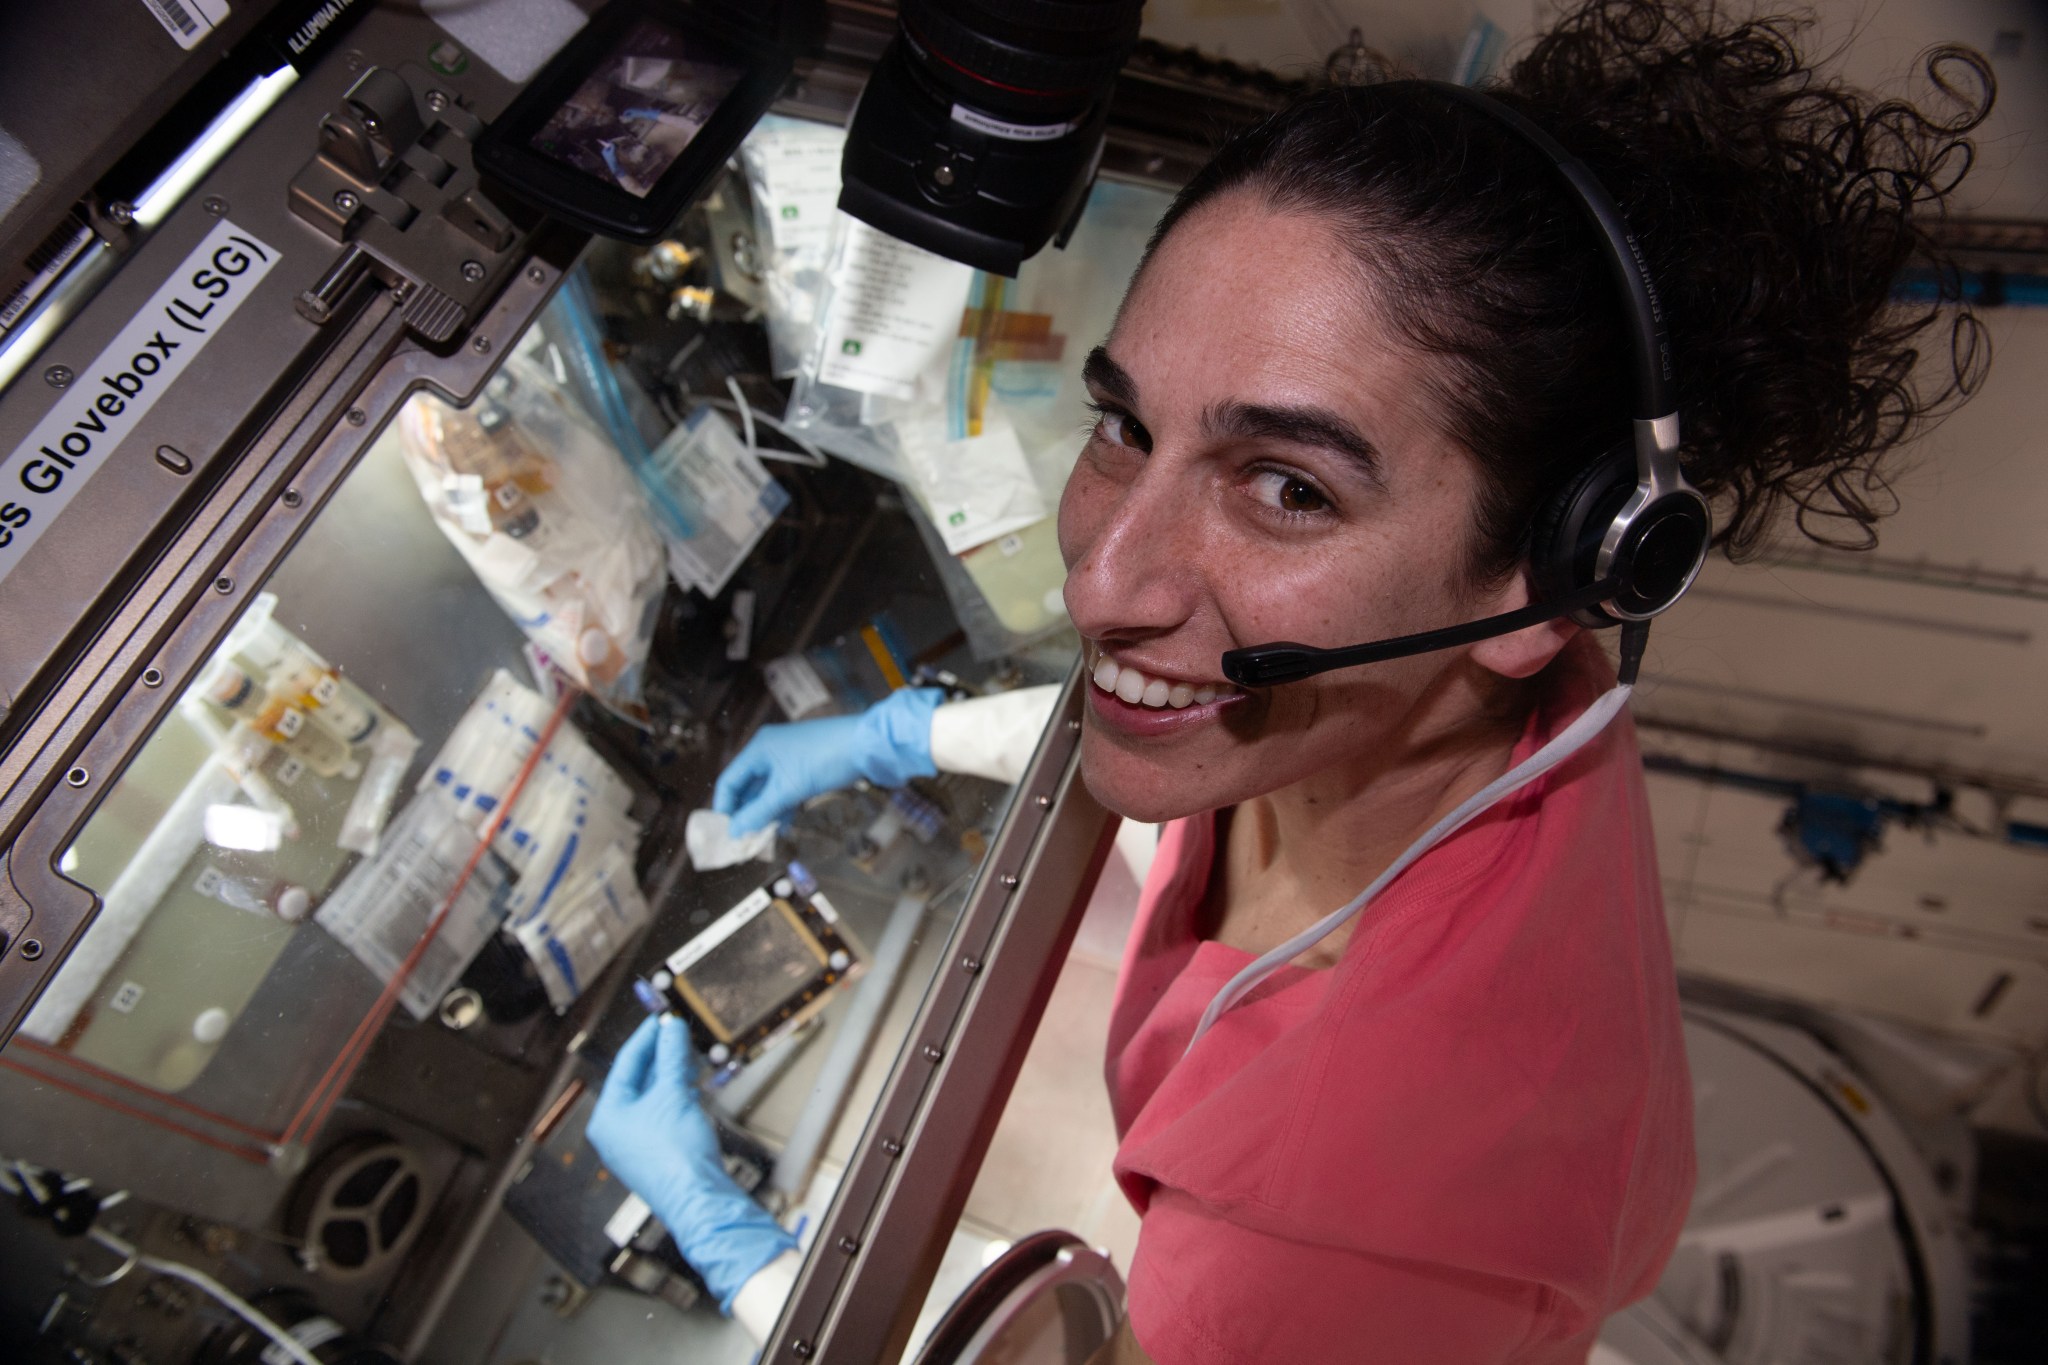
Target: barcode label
{"points": [[174, 14], [188, 21], [49, 261]]}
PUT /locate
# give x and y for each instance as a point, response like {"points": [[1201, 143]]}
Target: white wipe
{"points": [[709, 838]]}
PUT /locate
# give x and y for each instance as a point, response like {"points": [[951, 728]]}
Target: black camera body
{"points": [[980, 129]]}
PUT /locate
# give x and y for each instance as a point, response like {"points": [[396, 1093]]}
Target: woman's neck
{"points": [[1292, 856]]}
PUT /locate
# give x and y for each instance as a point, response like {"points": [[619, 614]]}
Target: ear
{"points": [[1524, 653]]}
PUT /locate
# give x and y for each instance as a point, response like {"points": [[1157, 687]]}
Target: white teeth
{"points": [[1142, 690]]}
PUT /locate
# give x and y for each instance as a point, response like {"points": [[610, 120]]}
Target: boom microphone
{"points": [[1286, 662]]}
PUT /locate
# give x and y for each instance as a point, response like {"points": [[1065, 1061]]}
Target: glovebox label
{"points": [[109, 398]]}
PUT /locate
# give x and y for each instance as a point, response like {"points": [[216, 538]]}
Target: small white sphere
{"points": [[211, 1026]]}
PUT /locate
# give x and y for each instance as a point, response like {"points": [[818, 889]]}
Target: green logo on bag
{"points": [[850, 346], [957, 519], [448, 59], [789, 210]]}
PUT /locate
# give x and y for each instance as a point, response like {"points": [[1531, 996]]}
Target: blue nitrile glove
{"points": [[784, 766], [654, 1135]]}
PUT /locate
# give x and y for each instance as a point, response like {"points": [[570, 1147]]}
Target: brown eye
{"points": [[1296, 496], [1125, 430]]}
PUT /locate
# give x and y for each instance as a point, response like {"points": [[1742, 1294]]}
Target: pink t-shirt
{"points": [[1467, 1142]]}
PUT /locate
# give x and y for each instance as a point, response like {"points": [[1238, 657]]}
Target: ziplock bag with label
{"points": [[544, 508]]}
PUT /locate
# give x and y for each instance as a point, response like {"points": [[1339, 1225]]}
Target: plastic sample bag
{"points": [[385, 904], [792, 168], [558, 876], [712, 498], [543, 507]]}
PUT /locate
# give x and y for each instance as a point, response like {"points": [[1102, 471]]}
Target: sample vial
{"points": [[235, 691], [487, 446], [333, 702]]}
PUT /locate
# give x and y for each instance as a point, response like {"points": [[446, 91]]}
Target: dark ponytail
{"points": [[1776, 207]]}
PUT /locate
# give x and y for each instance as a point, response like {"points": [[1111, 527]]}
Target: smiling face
{"points": [[1268, 467]]}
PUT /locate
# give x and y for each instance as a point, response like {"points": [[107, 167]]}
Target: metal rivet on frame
{"points": [[78, 776]]}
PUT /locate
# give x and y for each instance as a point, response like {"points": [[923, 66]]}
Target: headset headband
{"points": [[1656, 407], [1651, 344]]}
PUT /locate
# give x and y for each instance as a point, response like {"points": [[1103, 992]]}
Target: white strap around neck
{"points": [[1562, 746]]}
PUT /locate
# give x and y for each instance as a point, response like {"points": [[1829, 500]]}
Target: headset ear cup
{"points": [[1564, 542]]}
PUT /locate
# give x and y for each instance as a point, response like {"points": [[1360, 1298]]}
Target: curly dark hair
{"points": [[1776, 208]]}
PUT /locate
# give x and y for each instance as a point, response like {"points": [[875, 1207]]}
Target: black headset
{"points": [[1622, 540]]}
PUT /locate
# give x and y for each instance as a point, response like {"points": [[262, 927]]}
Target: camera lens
{"points": [[1042, 59], [979, 130]]}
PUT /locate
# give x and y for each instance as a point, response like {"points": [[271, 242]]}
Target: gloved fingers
{"points": [[763, 806], [895, 736], [627, 1080], [675, 1061], [742, 779]]}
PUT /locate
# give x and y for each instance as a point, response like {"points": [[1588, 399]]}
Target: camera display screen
{"points": [[629, 121]]}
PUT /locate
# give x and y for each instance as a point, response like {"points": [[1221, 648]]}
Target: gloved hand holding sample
{"points": [[653, 1134], [784, 766]]}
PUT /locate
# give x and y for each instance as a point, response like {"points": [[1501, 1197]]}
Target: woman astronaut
{"points": [[1370, 344]]}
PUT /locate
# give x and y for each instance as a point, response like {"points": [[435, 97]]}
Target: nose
{"points": [[1133, 551]]}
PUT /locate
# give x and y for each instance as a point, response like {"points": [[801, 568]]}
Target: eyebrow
{"points": [[1300, 426], [1099, 371], [1303, 426]]}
